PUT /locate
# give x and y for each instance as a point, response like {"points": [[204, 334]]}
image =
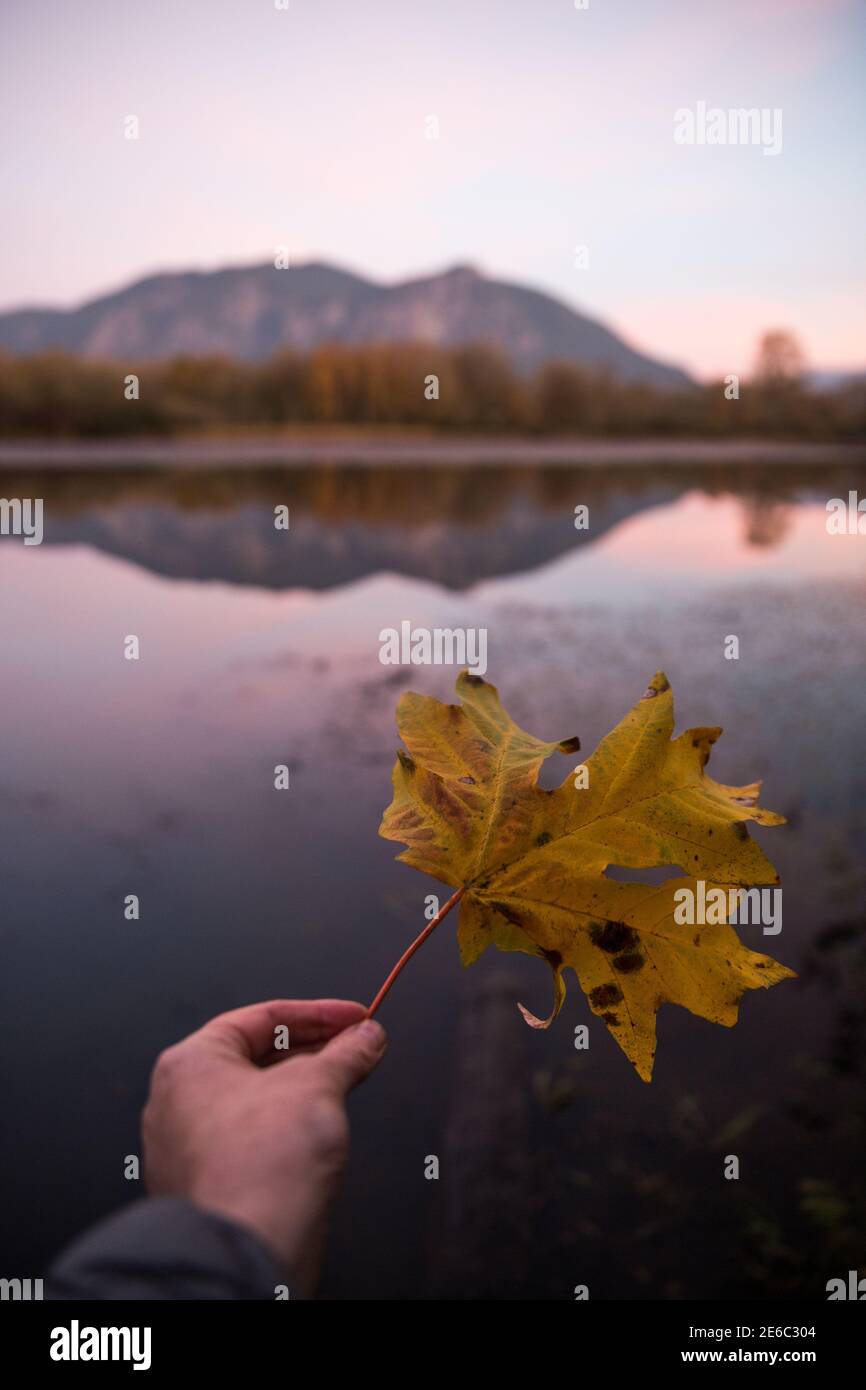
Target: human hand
{"points": [[257, 1134]]}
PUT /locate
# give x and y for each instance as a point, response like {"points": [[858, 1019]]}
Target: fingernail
{"points": [[372, 1032]]}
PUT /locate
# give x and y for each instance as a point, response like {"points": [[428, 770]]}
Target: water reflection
{"points": [[452, 525], [157, 779]]}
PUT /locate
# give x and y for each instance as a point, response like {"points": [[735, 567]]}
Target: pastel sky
{"points": [[306, 127]]}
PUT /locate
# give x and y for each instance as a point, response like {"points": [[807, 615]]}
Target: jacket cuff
{"points": [[165, 1248]]}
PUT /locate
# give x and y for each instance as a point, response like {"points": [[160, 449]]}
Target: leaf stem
{"points": [[409, 953]]}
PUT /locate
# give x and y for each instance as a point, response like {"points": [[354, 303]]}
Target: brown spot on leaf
{"points": [[610, 1018], [629, 963], [605, 995], [612, 937], [474, 680], [544, 838], [407, 763], [739, 829], [553, 958], [570, 745], [445, 802]]}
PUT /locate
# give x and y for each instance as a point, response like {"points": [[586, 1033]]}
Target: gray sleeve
{"points": [[165, 1248]]}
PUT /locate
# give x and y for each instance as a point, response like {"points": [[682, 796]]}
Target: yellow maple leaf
{"points": [[530, 864]]}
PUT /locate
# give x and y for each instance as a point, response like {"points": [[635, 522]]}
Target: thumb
{"points": [[350, 1057]]}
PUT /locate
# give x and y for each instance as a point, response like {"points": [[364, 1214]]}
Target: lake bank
{"points": [[399, 449]]}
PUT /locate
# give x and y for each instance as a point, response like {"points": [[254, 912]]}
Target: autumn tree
{"points": [[780, 357]]}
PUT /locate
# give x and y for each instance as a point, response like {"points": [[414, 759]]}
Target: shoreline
{"points": [[384, 448]]}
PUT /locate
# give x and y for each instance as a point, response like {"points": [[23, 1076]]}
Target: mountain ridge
{"points": [[252, 311]]}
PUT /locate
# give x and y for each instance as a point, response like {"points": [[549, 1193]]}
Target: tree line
{"points": [[462, 389]]}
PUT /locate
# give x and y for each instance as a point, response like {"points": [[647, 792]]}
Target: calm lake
{"points": [[261, 647]]}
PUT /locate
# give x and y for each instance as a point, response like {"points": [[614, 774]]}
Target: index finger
{"points": [[250, 1032]]}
